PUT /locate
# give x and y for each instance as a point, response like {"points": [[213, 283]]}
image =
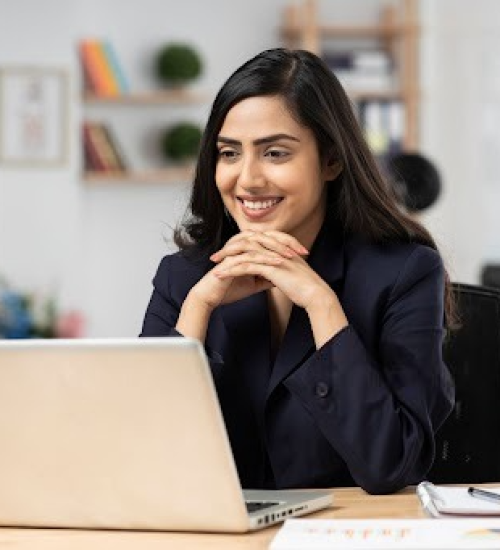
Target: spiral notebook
{"points": [[442, 501]]}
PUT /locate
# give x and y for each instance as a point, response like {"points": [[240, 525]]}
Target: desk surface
{"points": [[348, 503]]}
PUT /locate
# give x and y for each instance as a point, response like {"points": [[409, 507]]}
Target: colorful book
{"points": [[113, 151], [103, 142], [100, 149], [97, 70], [116, 67], [93, 158]]}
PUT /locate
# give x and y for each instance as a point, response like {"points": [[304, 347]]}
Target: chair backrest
{"points": [[490, 275], [468, 443]]}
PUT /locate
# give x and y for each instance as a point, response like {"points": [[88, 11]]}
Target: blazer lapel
{"points": [[297, 342], [327, 259], [247, 326]]}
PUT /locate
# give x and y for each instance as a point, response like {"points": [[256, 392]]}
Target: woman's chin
{"points": [[257, 226]]}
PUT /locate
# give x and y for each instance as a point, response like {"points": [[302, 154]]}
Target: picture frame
{"points": [[33, 116]]}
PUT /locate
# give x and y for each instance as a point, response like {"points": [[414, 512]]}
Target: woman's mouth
{"points": [[258, 208]]}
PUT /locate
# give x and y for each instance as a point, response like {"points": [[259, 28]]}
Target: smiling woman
{"points": [[272, 180], [321, 305]]}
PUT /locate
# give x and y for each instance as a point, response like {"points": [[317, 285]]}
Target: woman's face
{"points": [[269, 173]]}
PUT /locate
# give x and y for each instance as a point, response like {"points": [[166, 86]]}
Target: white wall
{"points": [[99, 245], [461, 128]]}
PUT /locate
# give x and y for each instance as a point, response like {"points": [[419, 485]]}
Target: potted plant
{"points": [[178, 63], [181, 142]]}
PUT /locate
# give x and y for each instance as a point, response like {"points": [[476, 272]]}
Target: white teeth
{"points": [[260, 205]]}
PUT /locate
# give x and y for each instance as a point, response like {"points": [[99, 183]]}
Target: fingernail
{"points": [[304, 250]]}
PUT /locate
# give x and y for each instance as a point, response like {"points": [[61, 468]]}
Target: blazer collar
{"points": [[327, 253], [248, 329], [327, 259]]}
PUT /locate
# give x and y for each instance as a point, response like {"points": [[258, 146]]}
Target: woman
{"points": [[321, 306]]}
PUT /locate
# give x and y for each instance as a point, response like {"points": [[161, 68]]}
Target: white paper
{"points": [[388, 534]]}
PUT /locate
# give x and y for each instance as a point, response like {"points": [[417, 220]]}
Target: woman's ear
{"points": [[332, 169]]}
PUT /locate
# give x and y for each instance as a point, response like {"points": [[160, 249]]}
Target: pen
{"points": [[484, 495]]}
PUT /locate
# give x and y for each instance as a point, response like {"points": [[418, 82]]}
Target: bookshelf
{"points": [[157, 97], [106, 88], [143, 100], [396, 32], [164, 175]]}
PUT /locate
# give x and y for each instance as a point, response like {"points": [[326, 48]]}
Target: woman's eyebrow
{"points": [[263, 140]]}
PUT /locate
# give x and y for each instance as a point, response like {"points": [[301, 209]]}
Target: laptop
{"points": [[123, 434]]}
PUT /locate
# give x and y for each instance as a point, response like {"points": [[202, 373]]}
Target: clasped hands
{"points": [[253, 261]]}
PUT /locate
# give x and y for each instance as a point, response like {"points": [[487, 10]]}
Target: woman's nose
{"points": [[251, 174]]}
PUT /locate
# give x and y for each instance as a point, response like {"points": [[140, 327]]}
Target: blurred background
{"points": [[81, 236]]}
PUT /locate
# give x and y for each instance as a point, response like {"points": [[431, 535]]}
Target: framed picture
{"points": [[33, 116]]}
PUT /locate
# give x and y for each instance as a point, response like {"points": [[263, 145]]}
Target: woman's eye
{"points": [[277, 154], [227, 154]]}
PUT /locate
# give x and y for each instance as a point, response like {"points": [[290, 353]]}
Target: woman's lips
{"points": [[256, 209]]}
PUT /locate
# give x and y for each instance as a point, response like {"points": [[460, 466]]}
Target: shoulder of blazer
{"points": [[180, 271], [191, 260], [394, 254], [389, 263]]}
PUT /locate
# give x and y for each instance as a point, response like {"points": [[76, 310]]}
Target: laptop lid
{"points": [[117, 433]]}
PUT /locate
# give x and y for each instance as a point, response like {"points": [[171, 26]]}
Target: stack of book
{"points": [[101, 153], [383, 123], [363, 70], [102, 72]]}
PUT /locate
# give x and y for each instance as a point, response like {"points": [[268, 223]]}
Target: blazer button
{"points": [[322, 389]]}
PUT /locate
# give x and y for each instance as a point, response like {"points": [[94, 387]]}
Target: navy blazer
{"points": [[363, 409]]}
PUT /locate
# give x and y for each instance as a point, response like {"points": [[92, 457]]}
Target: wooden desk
{"points": [[348, 503]]}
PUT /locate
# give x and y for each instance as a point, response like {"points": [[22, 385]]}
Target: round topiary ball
{"points": [[182, 141], [178, 63]]}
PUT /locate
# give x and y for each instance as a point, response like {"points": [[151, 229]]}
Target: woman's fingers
{"points": [[252, 246], [272, 241], [286, 240], [258, 270], [252, 257]]}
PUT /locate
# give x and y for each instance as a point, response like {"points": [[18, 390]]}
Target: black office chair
{"points": [[490, 275], [468, 444]]}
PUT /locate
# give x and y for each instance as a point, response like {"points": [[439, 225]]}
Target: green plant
{"points": [[178, 63], [182, 141]]}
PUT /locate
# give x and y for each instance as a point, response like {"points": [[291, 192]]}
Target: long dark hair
{"points": [[360, 200]]}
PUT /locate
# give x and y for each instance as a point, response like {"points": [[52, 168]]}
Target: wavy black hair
{"points": [[360, 200]]}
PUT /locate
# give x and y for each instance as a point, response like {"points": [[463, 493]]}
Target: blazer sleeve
{"points": [[381, 415], [165, 305], [162, 311]]}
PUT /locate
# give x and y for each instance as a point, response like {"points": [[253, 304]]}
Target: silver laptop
{"points": [[123, 434]]}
